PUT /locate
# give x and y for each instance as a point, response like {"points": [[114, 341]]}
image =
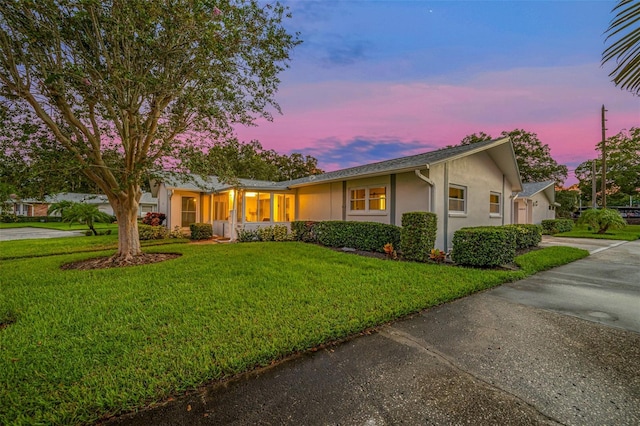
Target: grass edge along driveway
{"points": [[84, 345]]}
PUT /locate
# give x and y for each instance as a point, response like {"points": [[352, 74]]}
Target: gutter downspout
{"points": [[433, 188], [514, 209]]}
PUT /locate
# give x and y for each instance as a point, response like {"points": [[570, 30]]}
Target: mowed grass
{"points": [[628, 233], [60, 226], [53, 246], [80, 345]]}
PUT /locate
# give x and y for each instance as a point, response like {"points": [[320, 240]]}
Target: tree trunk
{"points": [[125, 207]]}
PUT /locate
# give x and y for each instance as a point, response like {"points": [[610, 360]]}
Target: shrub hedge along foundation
{"points": [[148, 232], [418, 235], [555, 226], [201, 231], [367, 236], [526, 235], [484, 246]]}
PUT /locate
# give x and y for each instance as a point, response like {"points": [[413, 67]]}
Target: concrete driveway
{"points": [[521, 354], [26, 233]]}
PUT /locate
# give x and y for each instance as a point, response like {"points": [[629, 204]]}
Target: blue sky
{"points": [[375, 80]]}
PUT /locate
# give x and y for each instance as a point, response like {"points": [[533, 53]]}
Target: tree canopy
{"points": [[122, 85], [533, 157], [231, 159], [624, 35], [623, 168]]}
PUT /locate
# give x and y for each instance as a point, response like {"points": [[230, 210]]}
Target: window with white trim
{"points": [[369, 199], [494, 203], [457, 199]]}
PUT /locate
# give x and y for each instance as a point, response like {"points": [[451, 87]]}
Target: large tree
{"points": [[533, 157], [232, 159], [624, 35], [133, 77], [623, 168]]}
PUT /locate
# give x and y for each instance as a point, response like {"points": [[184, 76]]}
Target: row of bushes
{"points": [[367, 236], [265, 233], [489, 246], [555, 226], [12, 218]]}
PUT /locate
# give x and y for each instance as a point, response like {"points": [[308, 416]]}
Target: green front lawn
{"points": [[80, 345], [60, 226], [628, 233], [53, 246]]}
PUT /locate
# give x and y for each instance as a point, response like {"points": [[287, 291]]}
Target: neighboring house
{"points": [[468, 185], [535, 203], [33, 207]]}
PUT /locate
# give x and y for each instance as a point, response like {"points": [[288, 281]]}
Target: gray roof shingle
{"points": [[531, 188]]}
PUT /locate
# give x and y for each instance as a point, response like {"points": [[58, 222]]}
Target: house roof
{"points": [[500, 150], [530, 189], [213, 184]]}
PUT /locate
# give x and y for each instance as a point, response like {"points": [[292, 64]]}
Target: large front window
{"points": [[188, 211], [457, 199], [258, 206], [283, 209], [370, 199]]}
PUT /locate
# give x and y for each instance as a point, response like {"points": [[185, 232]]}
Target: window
{"points": [[188, 211], [258, 206], [368, 200], [358, 199], [283, 209], [457, 199], [221, 207], [494, 203], [378, 198]]}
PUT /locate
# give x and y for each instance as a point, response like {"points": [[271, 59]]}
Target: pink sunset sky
{"points": [[375, 80]]}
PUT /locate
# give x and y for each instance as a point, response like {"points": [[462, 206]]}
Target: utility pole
{"points": [[604, 161], [594, 204]]}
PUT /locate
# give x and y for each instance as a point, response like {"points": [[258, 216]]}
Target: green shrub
{"points": [[484, 246], [6, 217], [526, 235], [265, 233], [248, 235], [304, 231], [281, 233], [201, 231], [601, 220], [31, 219], [148, 232], [418, 235], [555, 226], [367, 236]]}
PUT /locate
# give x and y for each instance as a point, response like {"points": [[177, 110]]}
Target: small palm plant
{"points": [[82, 213], [601, 220]]}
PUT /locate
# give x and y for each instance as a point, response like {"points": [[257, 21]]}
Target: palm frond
{"points": [[624, 33]]}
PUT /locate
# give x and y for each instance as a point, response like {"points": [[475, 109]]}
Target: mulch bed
{"points": [[110, 262]]}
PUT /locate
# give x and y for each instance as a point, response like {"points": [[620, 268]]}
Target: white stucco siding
{"points": [[176, 207], [412, 195], [541, 211], [480, 177], [314, 202]]}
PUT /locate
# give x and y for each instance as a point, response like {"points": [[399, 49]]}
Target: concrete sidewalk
{"points": [[486, 359]]}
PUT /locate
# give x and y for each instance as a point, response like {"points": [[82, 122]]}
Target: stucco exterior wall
{"points": [[412, 194], [480, 176], [541, 209], [314, 202]]}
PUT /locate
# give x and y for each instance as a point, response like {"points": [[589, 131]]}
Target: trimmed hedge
{"points": [[265, 233], [526, 235], [418, 235], [367, 236], [31, 219], [555, 226], [484, 246], [201, 231], [304, 231], [148, 232]]}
